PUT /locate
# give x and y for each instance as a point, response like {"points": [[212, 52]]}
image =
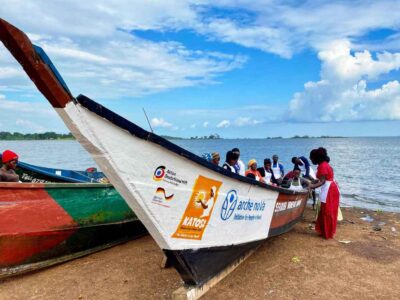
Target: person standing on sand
{"points": [[7, 171], [329, 196]]}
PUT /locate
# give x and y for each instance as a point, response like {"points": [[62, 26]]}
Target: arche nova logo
{"points": [[229, 205]]}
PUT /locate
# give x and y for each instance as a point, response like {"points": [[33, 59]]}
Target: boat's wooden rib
{"points": [[203, 217], [45, 224]]}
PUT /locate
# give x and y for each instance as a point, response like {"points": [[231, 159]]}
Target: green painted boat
{"points": [[45, 224]]}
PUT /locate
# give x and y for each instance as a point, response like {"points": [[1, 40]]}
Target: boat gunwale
{"points": [[44, 170], [141, 133]]}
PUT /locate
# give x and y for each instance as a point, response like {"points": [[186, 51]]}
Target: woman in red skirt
{"points": [[329, 196]]}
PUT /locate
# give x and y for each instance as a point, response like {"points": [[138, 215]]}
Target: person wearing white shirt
{"points": [[239, 166]]}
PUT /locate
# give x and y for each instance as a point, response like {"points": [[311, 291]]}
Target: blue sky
{"points": [[236, 68]]}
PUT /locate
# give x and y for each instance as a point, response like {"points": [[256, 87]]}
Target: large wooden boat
{"points": [[202, 216], [32, 173], [45, 224]]}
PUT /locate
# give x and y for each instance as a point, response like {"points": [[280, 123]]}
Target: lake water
{"points": [[367, 169]]}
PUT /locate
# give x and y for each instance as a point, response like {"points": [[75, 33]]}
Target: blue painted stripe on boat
{"points": [[48, 62], [144, 134], [51, 173]]}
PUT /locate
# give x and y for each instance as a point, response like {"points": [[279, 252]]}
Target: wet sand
{"points": [[296, 265]]}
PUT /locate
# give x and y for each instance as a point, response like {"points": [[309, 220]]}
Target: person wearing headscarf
{"points": [[215, 158], [231, 160], [253, 170], [7, 171], [329, 196], [266, 172], [239, 166]]}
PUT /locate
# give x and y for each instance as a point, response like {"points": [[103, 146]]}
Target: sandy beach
{"points": [[362, 262]]}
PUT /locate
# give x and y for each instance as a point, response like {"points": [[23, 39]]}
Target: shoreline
{"points": [[362, 261]]}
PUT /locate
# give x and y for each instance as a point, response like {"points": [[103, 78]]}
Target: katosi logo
{"points": [[159, 173]]}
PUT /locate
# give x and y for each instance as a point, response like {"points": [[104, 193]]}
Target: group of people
{"points": [[272, 172], [301, 177]]}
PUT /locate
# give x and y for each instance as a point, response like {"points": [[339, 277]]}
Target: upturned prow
{"points": [[36, 64]]}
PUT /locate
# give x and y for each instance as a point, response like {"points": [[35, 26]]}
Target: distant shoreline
{"points": [[16, 136]]}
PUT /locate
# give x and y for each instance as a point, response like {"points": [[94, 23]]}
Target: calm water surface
{"points": [[367, 169]]}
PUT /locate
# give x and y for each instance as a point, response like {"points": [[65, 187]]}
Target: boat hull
{"points": [[37, 174], [45, 224]]}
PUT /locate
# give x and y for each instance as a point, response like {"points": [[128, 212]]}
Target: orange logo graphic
{"points": [[199, 209]]}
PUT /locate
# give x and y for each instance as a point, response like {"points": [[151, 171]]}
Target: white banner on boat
{"points": [[184, 205]]}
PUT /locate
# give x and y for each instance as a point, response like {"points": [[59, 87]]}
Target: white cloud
{"points": [[282, 28], [98, 55], [246, 121], [24, 116], [339, 63], [7, 106], [7, 72], [342, 93], [160, 122], [224, 124], [94, 45], [193, 126], [30, 126]]}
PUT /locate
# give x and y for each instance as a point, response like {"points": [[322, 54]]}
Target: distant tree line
{"points": [[315, 137], [214, 136], [168, 137], [13, 136]]}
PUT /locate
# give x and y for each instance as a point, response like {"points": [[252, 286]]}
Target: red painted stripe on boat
{"points": [[281, 218], [30, 222], [22, 49]]}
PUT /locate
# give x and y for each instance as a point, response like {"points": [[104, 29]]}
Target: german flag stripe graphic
{"points": [[162, 191]]}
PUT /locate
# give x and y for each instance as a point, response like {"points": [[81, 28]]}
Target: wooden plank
{"points": [[193, 292], [165, 263]]}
